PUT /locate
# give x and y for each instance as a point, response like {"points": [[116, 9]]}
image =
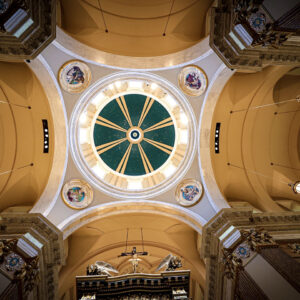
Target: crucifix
{"points": [[134, 254]]}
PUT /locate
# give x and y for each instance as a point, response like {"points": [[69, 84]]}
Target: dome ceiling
{"points": [[260, 138], [135, 28], [21, 136], [132, 133], [137, 142]]}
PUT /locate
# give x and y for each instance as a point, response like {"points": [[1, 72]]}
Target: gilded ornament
{"points": [[192, 80], [189, 192], [74, 76], [77, 194]]}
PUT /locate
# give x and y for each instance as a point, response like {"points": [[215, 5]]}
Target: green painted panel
{"points": [[135, 104], [135, 165], [156, 114], [156, 157], [165, 135], [113, 113], [103, 135], [113, 156]]}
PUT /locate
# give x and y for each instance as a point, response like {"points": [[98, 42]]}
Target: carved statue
{"points": [[171, 263], [100, 268]]}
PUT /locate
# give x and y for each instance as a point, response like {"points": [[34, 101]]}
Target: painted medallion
{"points": [[257, 21], [189, 192], [192, 80], [134, 134], [77, 194], [74, 76], [242, 251], [13, 262]]}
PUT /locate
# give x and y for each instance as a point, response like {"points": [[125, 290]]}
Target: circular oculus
{"points": [[132, 135]]}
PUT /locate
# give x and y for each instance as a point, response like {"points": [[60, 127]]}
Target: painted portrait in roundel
{"points": [[77, 194], [188, 192], [74, 76], [192, 80]]}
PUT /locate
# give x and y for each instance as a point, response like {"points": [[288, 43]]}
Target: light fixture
{"points": [[217, 137], [46, 136], [296, 187]]}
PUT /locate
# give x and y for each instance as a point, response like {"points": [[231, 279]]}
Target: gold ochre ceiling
{"points": [[135, 27]]}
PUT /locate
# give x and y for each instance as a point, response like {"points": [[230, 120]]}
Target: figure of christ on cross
{"points": [[134, 260]]}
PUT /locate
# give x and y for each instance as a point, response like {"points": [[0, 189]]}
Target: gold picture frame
{"points": [[77, 194], [74, 76], [192, 80], [189, 192]]}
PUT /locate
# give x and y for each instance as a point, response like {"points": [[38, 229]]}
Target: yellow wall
{"points": [[21, 136], [135, 26], [250, 139]]}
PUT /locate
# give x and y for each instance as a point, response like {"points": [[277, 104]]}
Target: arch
{"points": [[221, 77], [60, 156], [74, 222], [69, 45], [83, 261], [253, 140]]}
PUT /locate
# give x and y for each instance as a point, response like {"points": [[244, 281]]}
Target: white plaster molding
{"points": [[105, 187], [71, 46], [79, 219], [59, 116], [214, 90]]}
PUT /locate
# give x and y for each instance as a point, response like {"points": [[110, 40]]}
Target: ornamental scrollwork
{"points": [[252, 14], [258, 238], [232, 263], [244, 8], [20, 268], [295, 248]]}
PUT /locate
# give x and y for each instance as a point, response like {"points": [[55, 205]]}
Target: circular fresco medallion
{"points": [[132, 135], [189, 192], [257, 21], [192, 80], [74, 76], [77, 194], [13, 262]]}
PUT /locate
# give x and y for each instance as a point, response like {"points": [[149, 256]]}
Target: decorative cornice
{"points": [[43, 238], [31, 31], [258, 239], [240, 46], [255, 229]]}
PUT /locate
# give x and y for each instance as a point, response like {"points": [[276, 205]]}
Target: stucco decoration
{"points": [[77, 194], [189, 192], [192, 80], [74, 76]]}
